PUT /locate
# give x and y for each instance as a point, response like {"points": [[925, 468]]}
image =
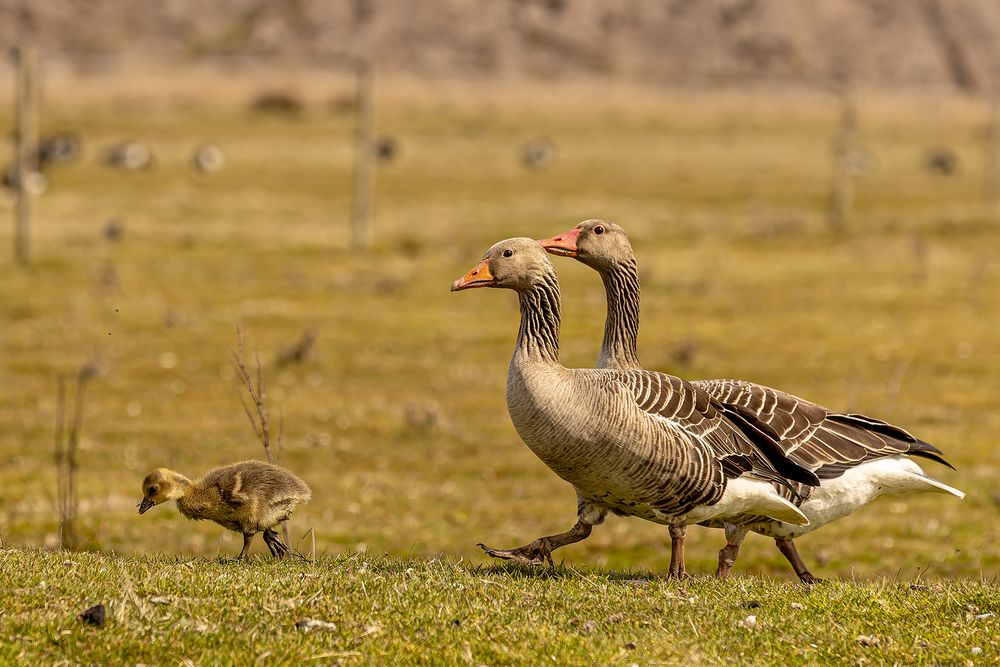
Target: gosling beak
{"points": [[145, 505], [564, 244], [479, 276]]}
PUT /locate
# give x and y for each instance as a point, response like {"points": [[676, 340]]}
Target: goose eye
{"points": [[508, 253], [599, 229], [151, 490]]}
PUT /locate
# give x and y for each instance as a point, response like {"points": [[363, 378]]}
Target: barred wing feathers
{"points": [[738, 443], [825, 442]]}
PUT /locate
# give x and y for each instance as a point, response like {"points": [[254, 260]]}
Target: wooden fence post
{"points": [[24, 60], [364, 155], [841, 149], [991, 163]]}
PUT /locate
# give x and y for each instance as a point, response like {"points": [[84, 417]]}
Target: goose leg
{"points": [[728, 553], [247, 538], [787, 548], [677, 534], [540, 551], [274, 543]]}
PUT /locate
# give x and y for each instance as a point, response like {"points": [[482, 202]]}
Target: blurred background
{"points": [[811, 189]]}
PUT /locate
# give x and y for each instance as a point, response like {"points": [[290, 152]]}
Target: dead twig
{"points": [[257, 411]]}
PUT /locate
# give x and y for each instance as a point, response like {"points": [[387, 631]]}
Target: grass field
{"points": [[429, 611], [398, 420]]}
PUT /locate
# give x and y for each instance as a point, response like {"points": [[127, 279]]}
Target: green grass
{"points": [[430, 611], [399, 423]]}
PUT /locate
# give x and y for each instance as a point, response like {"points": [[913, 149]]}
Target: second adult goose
{"points": [[635, 443], [857, 458]]}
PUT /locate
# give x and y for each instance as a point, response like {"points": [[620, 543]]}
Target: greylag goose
{"points": [[632, 442], [247, 498], [857, 458]]}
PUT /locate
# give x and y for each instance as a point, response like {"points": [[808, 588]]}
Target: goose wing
{"points": [[738, 442], [815, 438]]}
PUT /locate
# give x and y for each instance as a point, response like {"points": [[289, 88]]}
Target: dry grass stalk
{"points": [[67, 444], [259, 415]]}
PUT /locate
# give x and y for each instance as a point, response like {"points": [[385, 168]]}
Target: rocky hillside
{"points": [[935, 43]]}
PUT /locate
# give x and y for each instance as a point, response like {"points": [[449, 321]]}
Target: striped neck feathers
{"points": [[538, 338], [621, 329]]}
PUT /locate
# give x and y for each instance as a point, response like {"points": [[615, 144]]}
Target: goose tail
{"points": [[932, 485]]}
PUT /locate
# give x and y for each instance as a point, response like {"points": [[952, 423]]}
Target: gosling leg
{"points": [[677, 535], [787, 548], [274, 543], [728, 553], [247, 538]]}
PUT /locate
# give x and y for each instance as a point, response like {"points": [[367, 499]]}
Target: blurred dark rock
{"points": [[941, 160], [278, 103]]}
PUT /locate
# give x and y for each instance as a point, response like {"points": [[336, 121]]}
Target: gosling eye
{"points": [[508, 253], [151, 491], [599, 229]]}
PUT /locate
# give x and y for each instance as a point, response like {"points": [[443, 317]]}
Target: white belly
{"points": [[838, 497]]}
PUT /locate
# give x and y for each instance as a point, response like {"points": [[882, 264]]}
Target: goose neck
{"points": [[621, 328], [538, 337]]}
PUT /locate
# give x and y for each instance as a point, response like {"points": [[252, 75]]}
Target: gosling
{"points": [[247, 498]]}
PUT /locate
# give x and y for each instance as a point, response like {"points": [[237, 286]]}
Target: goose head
{"points": [[597, 243], [518, 264], [160, 486]]}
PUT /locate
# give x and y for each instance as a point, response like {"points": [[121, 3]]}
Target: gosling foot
{"points": [[536, 553], [808, 579], [275, 545]]}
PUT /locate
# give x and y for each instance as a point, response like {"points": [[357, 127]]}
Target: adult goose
{"points": [[856, 458], [632, 442]]}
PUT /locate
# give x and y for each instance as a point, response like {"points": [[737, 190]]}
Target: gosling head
{"points": [[517, 264], [160, 486], [597, 243]]}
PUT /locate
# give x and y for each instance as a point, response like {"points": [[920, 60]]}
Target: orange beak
{"points": [[563, 245], [479, 276]]}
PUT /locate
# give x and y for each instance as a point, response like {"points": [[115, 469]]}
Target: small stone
{"points": [[798, 605], [312, 624], [975, 650], [94, 615], [749, 621], [159, 600], [868, 640], [982, 617]]}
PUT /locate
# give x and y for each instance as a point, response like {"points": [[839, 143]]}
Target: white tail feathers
{"points": [[782, 510], [935, 486]]}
